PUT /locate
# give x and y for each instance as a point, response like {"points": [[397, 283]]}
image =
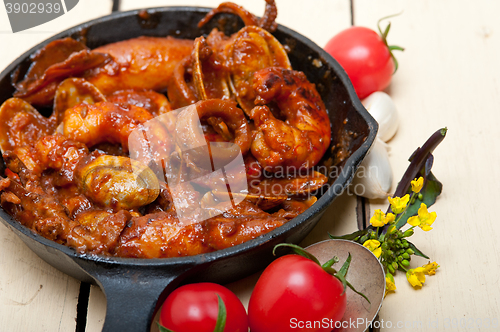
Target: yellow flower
{"points": [[398, 204], [430, 268], [374, 247], [390, 286], [416, 277], [379, 218], [424, 219], [417, 184]]}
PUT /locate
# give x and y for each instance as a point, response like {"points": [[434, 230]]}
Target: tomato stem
{"points": [[221, 316], [298, 250], [220, 324], [327, 267], [329, 264], [384, 34]]}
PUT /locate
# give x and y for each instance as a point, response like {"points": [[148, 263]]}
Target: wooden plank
{"points": [[330, 17], [96, 310], [33, 295], [448, 76]]}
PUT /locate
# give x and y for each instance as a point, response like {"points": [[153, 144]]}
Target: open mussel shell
{"points": [[197, 68], [365, 273], [249, 41], [117, 182], [74, 91], [209, 82], [20, 124]]}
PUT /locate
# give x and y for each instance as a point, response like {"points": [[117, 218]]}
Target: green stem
{"points": [[406, 208], [384, 34]]}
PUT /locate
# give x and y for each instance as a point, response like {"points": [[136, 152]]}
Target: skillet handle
{"points": [[135, 294]]}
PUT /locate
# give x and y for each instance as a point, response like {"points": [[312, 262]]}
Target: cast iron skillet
{"points": [[135, 288]]}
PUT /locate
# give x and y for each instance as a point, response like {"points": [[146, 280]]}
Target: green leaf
{"points": [[431, 190], [298, 250], [221, 316], [162, 328], [417, 251], [350, 237]]}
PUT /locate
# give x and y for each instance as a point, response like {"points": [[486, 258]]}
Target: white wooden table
{"points": [[449, 76]]}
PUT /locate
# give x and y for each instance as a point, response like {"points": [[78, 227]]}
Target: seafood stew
{"points": [[80, 220]]}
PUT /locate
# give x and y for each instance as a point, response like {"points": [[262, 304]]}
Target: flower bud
{"points": [[391, 229], [420, 197], [413, 199], [400, 258], [395, 265], [410, 251], [385, 246], [408, 233], [405, 243], [363, 239], [406, 255], [391, 269], [405, 263]]}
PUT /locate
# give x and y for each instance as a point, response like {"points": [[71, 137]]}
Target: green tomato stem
{"points": [[221, 316], [384, 34]]}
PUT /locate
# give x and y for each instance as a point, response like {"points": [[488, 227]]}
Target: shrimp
{"points": [[103, 122], [301, 139]]}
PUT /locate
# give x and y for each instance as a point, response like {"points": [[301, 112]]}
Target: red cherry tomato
{"points": [[292, 291], [365, 57], [194, 308]]}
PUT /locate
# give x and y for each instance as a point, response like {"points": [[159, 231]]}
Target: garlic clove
{"points": [[380, 105], [373, 178]]}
